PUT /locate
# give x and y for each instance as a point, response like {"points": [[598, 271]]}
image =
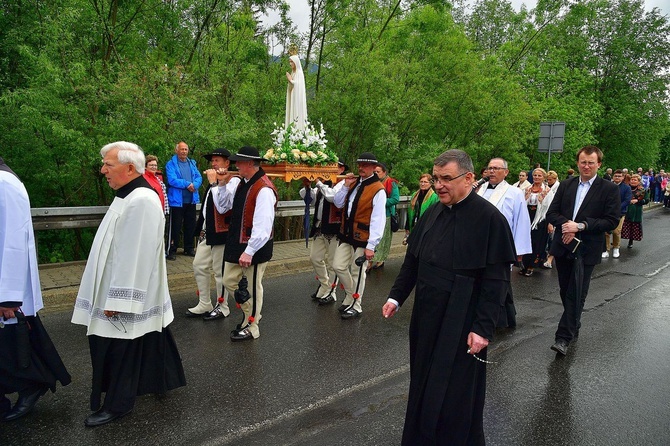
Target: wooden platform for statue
{"points": [[289, 172]]}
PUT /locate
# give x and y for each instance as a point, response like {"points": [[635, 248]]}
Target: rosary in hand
{"points": [[480, 359]]}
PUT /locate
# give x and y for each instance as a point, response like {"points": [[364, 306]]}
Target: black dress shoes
{"points": [[342, 308], [242, 335], [191, 314], [25, 404], [214, 315], [560, 347], [103, 416], [190, 253], [350, 314], [325, 300], [171, 257], [5, 406]]}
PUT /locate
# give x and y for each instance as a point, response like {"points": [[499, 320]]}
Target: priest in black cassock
{"points": [[459, 258]]}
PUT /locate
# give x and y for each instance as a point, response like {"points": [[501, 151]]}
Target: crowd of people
{"points": [[460, 300]]}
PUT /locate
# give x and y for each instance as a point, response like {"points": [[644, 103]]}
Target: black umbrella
{"points": [[575, 287], [306, 219]]}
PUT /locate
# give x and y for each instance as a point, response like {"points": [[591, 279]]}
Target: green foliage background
{"points": [[404, 79]]}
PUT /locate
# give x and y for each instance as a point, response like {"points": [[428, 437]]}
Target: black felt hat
{"points": [[367, 157], [246, 153], [217, 152], [343, 165]]}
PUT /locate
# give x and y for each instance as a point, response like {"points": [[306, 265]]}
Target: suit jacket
{"points": [[600, 210]]}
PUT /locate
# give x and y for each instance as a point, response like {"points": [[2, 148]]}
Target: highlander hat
{"points": [[246, 153], [367, 157], [217, 152]]}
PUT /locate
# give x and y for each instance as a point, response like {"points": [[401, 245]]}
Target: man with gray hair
{"points": [[512, 203], [123, 298], [184, 180], [458, 257]]}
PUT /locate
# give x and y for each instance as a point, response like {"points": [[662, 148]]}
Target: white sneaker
{"points": [[615, 253], [606, 254]]}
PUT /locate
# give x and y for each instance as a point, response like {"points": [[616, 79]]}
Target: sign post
{"points": [[552, 134]]}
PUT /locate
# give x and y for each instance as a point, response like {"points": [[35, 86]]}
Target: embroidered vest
{"points": [[331, 216], [355, 228], [241, 222], [216, 224]]}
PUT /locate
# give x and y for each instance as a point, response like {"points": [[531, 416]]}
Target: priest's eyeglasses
{"points": [[445, 180], [114, 320]]}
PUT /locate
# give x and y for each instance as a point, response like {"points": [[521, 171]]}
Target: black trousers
{"points": [[572, 306], [182, 217]]}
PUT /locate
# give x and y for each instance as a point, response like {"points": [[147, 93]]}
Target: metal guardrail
{"points": [[91, 216]]}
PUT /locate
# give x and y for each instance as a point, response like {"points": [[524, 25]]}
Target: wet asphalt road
{"points": [[313, 379]]}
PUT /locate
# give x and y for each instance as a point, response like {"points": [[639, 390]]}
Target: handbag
{"points": [[242, 293], [395, 223]]}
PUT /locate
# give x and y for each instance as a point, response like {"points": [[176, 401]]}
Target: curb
{"points": [[60, 298]]}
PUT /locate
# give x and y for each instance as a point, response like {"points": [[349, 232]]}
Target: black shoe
{"points": [[190, 253], [342, 308], [243, 335], [630, 245], [350, 314], [103, 416], [5, 406], [188, 313], [329, 299], [171, 257], [560, 347], [214, 315], [25, 404]]}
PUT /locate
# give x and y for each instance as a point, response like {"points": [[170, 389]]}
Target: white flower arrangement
{"points": [[295, 146]]}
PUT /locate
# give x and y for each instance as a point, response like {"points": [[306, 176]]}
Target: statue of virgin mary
{"points": [[296, 101]]}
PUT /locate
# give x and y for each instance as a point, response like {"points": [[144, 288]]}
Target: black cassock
{"points": [[459, 260]]}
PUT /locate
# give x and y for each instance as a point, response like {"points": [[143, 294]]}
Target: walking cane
{"points": [[169, 238]]}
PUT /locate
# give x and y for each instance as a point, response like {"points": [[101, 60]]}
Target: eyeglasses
{"points": [[446, 180], [115, 318], [495, 168], [587, 163]]}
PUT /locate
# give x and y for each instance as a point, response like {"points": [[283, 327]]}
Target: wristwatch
{"points": [[581, 226]]}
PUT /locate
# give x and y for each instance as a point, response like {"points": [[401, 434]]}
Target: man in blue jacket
{"points": [[626, 195], [183, 183]]}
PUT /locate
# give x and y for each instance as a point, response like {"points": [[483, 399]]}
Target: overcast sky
{"points": [[300, 10]]}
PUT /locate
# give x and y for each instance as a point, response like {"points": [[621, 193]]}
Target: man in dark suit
{"points": [[584, 208]]}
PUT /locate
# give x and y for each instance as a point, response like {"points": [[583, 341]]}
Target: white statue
{"points": [[296, 101]]}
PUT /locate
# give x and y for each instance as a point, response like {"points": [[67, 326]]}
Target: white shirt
{"points": [[378, 217], [264, 214], [582, 189], [328, 193]]}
